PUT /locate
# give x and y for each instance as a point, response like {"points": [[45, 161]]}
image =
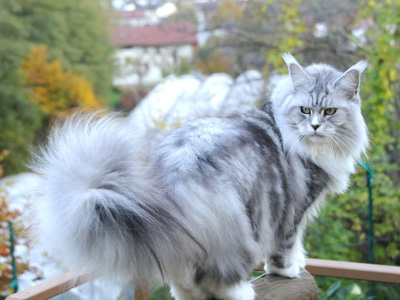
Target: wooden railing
{"points": [[266, 286]]}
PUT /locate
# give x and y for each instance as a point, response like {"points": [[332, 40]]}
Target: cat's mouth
{"points": [[316, 136]]}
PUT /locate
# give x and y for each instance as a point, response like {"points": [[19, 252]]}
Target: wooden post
{"points": [[273, 287], [141, 292]]}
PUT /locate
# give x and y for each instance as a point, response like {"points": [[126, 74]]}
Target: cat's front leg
{"points": [[277, 264], [288, 259]]}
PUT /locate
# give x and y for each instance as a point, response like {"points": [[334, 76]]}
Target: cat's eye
{"points": [[330, 111], [305, 110]]}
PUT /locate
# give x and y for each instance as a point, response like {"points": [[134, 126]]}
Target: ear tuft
{"points": [[360, 66], [289, 59], [350, 81], [296, 72]]}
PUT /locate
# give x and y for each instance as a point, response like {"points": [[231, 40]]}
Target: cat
{"points": [[216, 198]]}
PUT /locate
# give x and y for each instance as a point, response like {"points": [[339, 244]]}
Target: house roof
{"points": [[137, 13], [154, 35]]}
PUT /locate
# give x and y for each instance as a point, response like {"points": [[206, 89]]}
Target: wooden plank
{"points": [[273, 287], [51, 287], [352, 270]]}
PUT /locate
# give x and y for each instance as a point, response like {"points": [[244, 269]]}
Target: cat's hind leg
{"points": [[180, 292], [240, 291], [187, 289], [209, 290]]}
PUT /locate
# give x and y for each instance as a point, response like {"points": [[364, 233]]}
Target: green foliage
{"points": [[227, 13], [211, 59], [186, 12], [19, 118], [345, 217], [184, 67], [338, 291], [116, 94], [57, 92], [341, 230], [76, 33], [160, 294], [291, 28]]}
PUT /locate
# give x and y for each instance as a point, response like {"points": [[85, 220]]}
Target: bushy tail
{"points": [[102, 208]]}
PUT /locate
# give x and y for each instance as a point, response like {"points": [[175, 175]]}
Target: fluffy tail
{"points": [[101, 207]]}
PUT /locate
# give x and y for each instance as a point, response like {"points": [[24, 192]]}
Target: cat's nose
{"points": [[315, 127]]}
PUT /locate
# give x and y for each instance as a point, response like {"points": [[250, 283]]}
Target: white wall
{"points": [[145, 65]]}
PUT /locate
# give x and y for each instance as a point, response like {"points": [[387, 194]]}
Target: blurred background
{"points": [[162, 63]]}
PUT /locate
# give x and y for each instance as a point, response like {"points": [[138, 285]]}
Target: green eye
{"points": [[330, 111], [305, 110]]}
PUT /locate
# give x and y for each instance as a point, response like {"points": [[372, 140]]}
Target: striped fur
{"points": [[216, 198]]}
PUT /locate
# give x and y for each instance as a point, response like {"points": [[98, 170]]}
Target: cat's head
{"points": [[318, 110]]}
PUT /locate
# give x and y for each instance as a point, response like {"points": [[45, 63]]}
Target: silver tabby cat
{"points": [[217, 197]]}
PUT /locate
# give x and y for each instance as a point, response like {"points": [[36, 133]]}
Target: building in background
{"points": [[145, 54]]}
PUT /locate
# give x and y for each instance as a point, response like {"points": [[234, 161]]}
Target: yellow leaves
{"points": [[290, 40], [371, 4], [392, 75], [389, 94], [56, 91], [357, 224], [3, 154], [228, 11], [381, 109], [160, 124]]}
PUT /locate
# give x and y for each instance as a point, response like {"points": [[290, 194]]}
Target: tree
{"points": [[19, 119], [256, 35], [186, 13], [209, 61], [56, 91], [77, 35], [227, 13]]}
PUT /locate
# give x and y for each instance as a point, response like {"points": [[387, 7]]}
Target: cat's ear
{"points": [[296, 72], [350, 81]]}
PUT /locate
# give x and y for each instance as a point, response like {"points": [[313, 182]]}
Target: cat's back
{"points": [[215, 147]]}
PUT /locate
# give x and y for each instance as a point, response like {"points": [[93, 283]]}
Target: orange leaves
{"points": [[54, 89], [5, 213], [3, 154], [5, 268], [216, 63]]}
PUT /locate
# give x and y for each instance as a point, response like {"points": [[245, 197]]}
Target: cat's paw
{"points": [[292, 272], [241, 291], [300, 260]]}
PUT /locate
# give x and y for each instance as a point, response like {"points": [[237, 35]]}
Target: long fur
{"points": [[216, 198], [101, 213]]}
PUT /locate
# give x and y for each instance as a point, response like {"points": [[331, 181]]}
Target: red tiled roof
{"points": [[154, 35], [137, 13]]}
